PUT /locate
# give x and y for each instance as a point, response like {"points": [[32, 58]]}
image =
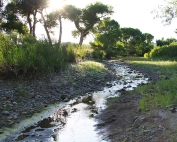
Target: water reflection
{"points": [[75, 121]]}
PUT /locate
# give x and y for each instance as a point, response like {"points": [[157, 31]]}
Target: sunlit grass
{"points": [[89, 68], [164, 68], [163, 93]]}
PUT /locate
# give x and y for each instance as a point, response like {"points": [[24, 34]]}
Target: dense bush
{"points": [[98, 54], [30, 56], [121, 49], [163, 51], [81, 51]]}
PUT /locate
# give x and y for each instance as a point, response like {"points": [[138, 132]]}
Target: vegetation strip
{"points": [[162, 93]]}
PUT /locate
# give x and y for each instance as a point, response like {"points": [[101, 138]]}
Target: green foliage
{"points": [[31, 56], [136, 42], [107, 34], [120, 42], [98, 54], [120, 49], [162, 93], [7, 49], [162, 42], [12, 21], [68, 52], [146, 55], [81, 51], [27, 39], [85, 19], [168, 51], [110, 52]]}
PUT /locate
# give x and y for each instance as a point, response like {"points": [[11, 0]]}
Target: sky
{"points": [[128, 13]]}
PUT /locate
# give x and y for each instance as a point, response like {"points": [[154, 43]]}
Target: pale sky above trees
{"points": [[128, 13]]}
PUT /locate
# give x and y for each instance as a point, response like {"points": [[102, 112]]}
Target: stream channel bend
{"points": [[73, 121]]}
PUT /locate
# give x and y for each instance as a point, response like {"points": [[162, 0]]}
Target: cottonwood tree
{"points": [[136, 42], [1, 6], [85, 19], [55, 18], [29, 10], [107, 33], [146, 44], [131, 39], [11, 20], [162, 41], [45, 20], [1, 11]]}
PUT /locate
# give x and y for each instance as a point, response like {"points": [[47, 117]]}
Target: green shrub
{"points": [[30, 56], [163, 51], [81, 51], [7, 50], [120, 48], [110, 52], [146, 55], [68, 52], [98, 54], [39, 57]]}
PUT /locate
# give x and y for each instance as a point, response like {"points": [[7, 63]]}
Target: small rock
{"points": [[18, 121], [14, 103], [10, 117], [150, 138], [98, 81], [172, 109], [63, 97], [11, 105], [15, 117], [5, 112], [24, 113], [66, 100]]}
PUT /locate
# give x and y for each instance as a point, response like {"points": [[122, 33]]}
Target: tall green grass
{"points": [[31, 56]]}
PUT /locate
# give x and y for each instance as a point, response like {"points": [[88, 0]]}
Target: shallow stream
{"points": [[74, 121]]}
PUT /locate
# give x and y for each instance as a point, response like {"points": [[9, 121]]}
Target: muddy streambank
{"points": [[116, 123]]}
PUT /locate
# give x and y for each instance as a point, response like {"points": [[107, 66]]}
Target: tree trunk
{"points": [[34, 23], [60, 32], [30, 25], [84, 33], [46, 29], [81, 38]]}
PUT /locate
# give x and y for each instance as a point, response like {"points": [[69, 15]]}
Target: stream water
{"points": [[74, 121]]}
